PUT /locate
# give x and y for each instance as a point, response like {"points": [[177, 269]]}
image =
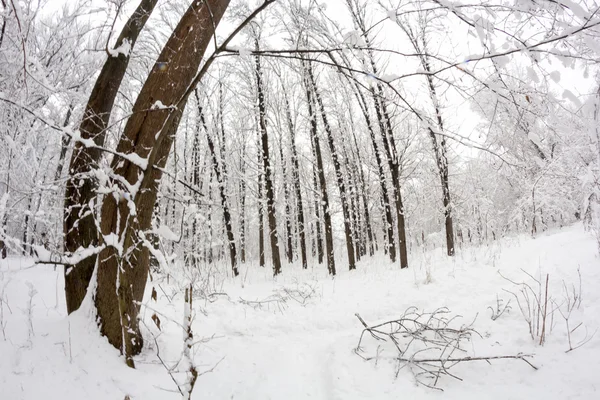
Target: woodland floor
{"points": [[304, 348]]}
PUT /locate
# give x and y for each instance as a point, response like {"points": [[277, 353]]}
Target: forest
{"points": [[169, 167]]}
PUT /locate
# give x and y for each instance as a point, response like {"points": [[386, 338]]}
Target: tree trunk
{"points": [[388, 221], [196, 173], [440, 150], [321, 177], [261, 209], [439, 147], [146, 143], [66, 140], [338, 173], [363, 194], [221, 186], [289, 250], [318, 240], [266, 163], [242, 218], [79, 222], [357, 11], [297, 187], [387, 134]]}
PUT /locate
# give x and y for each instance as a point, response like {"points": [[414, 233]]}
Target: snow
{"points": [[389, 77], [158, 105], [135, 158], [354, 39], [299, 351], [531, 74], [124, 48], [392, 15], [567, 94], [242, 51], [166, 233]]}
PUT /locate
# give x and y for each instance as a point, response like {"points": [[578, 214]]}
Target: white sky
{"points": [[461, 119]]}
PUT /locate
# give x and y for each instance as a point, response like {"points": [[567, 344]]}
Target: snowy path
{"points": [[306, 351]]}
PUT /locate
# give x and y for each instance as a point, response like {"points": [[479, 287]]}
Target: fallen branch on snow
{"points": [[427, 344]]}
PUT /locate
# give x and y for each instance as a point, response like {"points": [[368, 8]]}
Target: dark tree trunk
{"points": [[79, 222], [266, 163], [217, 169], [439, 145], [318, 240], [297, 187], [324, 203], [261, 209], [440, 150], [149, 135], [338, 172], [66, 140], [289, 250], [387, 134], [385, 199], [362, 184], [355, 214], [208, 244], [242, 217], [358, 15], [196, 173]]}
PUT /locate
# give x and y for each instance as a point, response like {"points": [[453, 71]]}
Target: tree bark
{"points": [[385, 199], [242, 217], [324, 203], [289, 250], [439, 147], [266, 163], [387, 133], [338, 172], [363, 193], [146, 143], [296, 179], [441, 157], [66, 140], [79, 223], [261, 208], [217, 168]]}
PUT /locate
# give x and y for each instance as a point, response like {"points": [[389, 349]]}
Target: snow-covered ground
{"points": [[304, 348]]}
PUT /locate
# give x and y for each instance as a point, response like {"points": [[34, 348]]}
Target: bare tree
{"points": [[80, 227], [220, 173], [319, 174], [337, 167], [266, 165]]}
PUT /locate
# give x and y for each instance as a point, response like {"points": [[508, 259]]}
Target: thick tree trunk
{"points": [[146, 143], [338, 172], [79, 222], [266, 163]]}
